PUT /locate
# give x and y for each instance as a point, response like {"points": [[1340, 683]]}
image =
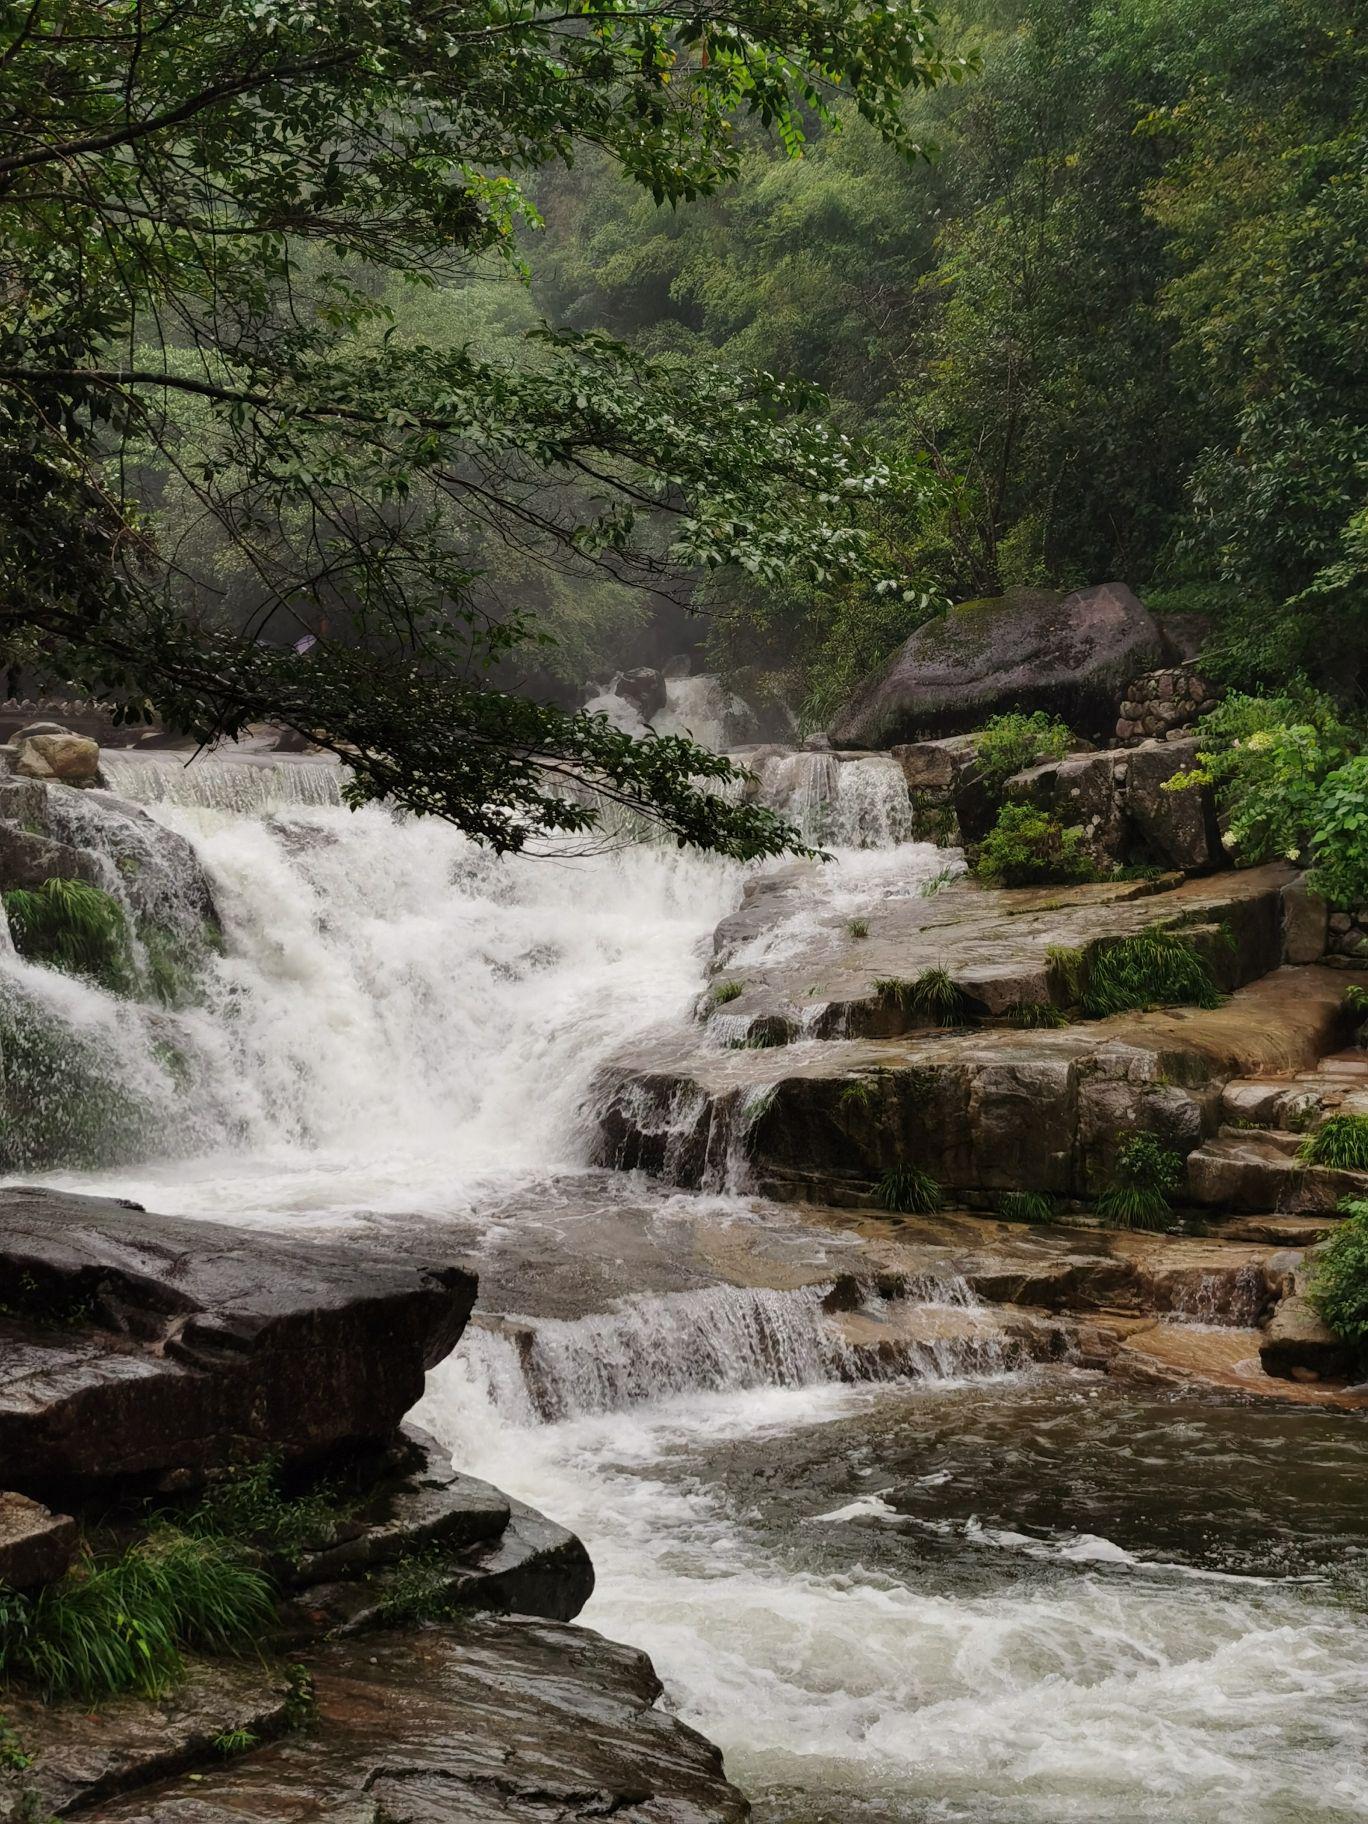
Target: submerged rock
{"points": [[138, 1344], [1030, 649]]}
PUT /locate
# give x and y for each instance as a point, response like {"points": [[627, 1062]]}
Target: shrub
{"points": [[908, 1190], [71, 926], [1340, 841], [1147, 1174], [1339, 1282], [1009, 743], [1027, 848], [1265, 758], [1027, 1206], [123, 1625], [1340, 1141], [1151, 969], [722, 992]]}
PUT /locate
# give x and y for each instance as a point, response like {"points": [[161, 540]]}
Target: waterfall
{"points": [[847, 801], [244, 788]]}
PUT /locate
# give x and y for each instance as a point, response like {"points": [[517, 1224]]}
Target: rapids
{"points": [[980, 1593]]}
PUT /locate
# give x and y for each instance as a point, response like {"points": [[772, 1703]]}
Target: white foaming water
{"points": [[1102, 1690]]}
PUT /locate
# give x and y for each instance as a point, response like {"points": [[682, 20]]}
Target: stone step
{"points": [[1337, 1085], [1259, 1169]]}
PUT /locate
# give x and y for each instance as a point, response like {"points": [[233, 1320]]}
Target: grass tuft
{"points": [[909, 1191], [1147, 1174], [858, 927], [1027, 1206], [249, 1505], [1151, 969], [1340, 1141], [74, 927], [931, 996], [124, 1624], [1031, 1016], [861, 1092], [722, 992]]}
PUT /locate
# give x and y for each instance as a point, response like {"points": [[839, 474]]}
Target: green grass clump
{"points": [[1339, 1281], [1151, 969], [74, 927], [1340, 1141], [235, 1741], [862, 1093], [722, 992], [931, 996], [250, 1507], [1032, 1015], [1027, 847], [124, 1624], [930, 888], [1147, 1175], [909, 1191], [1008, 744], [1356, 1001], [1027, 1206], [858, 927]]}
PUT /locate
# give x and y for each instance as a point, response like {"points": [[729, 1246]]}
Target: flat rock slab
{"points": [[485, 1722], [135, 1343], [79, 1756]]}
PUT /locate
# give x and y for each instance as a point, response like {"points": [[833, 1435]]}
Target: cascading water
{"points": [[891, 1600]]}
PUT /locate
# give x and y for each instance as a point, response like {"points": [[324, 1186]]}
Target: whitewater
{"points": [[926, 1599]]}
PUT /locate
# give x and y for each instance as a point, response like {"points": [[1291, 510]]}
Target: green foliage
{"points": [[122, 1625], [1151, 969], [1266, 759], [1339, 1282], [301, 1700], [908, 1190], [72, 926], [858, 928], [1027, 1206], [1340, 842], [861, 1093], [250, 1507], [1008, 744], [1027, 847], [1032, 1016], [937, 883], [1147, 1175], [1066, 966], [1340, 1141], [936, 997], [235, 1741], [723, 992], [1356, 1000], [13, 1756]]}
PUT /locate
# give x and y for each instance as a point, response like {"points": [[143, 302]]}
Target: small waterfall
{"points": [[243, 788], [838, 801]]}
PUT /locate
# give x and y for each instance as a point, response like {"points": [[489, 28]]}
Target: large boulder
{"points": [[47, 751], [135, 1345], [1029, 649]]}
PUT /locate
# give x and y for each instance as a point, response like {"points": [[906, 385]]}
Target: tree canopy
{"points": [[202, 210]]}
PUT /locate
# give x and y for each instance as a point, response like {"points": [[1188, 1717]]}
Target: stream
{"points": [[983, 1592]]}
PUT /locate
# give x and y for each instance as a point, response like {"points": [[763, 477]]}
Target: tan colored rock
{"points": [[72, 759], [36, 1545], [1298, 1345]]}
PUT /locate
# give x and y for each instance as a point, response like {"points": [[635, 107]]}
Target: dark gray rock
{"points": [[1305, 923], [1030, 649], [138, 1344], [36, 1545], [28, 858], [1084, 792], [483, 1722], [1174, 829], [644, 688]]}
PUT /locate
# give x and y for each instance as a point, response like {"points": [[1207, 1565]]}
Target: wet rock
{"points": [[1298, 1344], [47, 751], [1082, 791], [78, 1757], [1305, 922], [36, 1545], [142, 1344], [644, 689], [1260, 1170], [483, 1722], [1174, 829], [1071, 655], [28, 858]]}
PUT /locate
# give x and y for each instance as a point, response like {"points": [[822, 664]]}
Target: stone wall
{"points": [[1162, 701]]}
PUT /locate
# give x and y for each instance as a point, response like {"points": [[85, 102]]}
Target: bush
{"points": [[123, 1625], [1266, 759], [71, 926], [1151, 969], [1340, 1141], [908, 1190], [1007, 744], [1028, 848], [1339, 1282], [1340, 841], [1147, 1174]]}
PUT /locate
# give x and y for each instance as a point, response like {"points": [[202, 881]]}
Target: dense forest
{"points": [[1116, 315]]}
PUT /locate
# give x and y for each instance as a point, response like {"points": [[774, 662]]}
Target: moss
{"points": [[723, 992]]}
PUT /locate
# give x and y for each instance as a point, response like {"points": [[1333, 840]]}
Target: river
{"points": [[989, 1593]]}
